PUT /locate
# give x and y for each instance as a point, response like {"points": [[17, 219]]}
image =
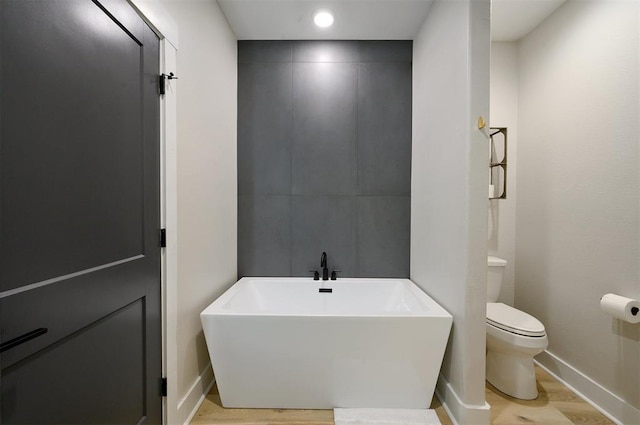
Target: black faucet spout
{"points": [[323, 264]]}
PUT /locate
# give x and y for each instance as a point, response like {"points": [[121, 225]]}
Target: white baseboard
{"points": [[459, 412], [609, 404], [190, 403]]}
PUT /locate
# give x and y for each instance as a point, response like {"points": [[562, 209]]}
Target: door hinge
{"points": [[162, 81], [163, 238], [163, 387]]}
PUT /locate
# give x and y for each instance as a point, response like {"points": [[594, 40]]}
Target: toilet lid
{"points": [[512, 320]]}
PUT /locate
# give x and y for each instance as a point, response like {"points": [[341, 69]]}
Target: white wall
{"points": [[207, 188], [577, 232], [449, 190], [504, 113]]}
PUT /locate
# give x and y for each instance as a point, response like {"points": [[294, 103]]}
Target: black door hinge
{"points": [[162, 81], [163, 387], [163, 238]]}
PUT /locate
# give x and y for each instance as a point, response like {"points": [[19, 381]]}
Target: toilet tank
{"points": [[495, 274]]}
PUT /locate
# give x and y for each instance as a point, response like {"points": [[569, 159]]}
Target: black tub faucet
{"points": [[323, 264]]}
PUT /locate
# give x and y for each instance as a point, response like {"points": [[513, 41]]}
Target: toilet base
{"points": [[512, 374]]}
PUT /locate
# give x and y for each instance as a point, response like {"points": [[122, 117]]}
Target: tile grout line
{"points": [[357, 161], [291, 140]]}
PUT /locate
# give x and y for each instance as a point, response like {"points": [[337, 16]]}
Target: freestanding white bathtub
{"points": [[281, 343]]}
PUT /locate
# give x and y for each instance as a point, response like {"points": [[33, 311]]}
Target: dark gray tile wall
{"points": [[264, 227], [324, 157], [264, 128], [323, 223], [325, 129]]}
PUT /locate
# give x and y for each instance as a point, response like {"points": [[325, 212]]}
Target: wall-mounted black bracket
{"points": [[163, 387], [162, 81], [163, 238]]}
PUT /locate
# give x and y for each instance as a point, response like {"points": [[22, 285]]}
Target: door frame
{"points": [[166, 28]]}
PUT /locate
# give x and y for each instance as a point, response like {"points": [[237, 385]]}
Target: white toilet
{"points": [[513, 338]]}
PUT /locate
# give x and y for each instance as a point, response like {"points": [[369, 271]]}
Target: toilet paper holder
{"points": [[623, 308]]}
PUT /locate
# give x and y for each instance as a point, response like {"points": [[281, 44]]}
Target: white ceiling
{"points": [[354, 19], [368, 19], [513, 19]]}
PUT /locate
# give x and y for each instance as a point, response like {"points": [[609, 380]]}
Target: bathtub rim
{"points": [[435, 310]]}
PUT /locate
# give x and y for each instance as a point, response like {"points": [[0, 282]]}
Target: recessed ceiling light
{"points": [[323, 18]]}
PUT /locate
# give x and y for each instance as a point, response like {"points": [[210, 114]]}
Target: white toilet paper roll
{"points": [[622, 308]]}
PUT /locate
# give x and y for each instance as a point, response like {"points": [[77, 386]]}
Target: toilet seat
{"points": [[514, 321]]}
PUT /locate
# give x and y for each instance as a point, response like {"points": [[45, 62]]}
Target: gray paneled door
{"points": [[79, 214]]}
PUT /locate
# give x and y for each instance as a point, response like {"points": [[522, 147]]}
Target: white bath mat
{"points": [[385, 417]]}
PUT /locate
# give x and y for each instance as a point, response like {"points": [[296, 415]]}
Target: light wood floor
{"points": [[556, 405]]}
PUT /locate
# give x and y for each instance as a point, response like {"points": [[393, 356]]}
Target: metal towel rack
{"points": [[498, 132]]}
